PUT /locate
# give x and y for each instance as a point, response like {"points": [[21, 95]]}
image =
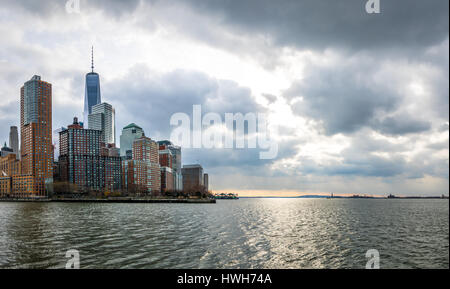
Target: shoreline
{"points": [[111, 200]]}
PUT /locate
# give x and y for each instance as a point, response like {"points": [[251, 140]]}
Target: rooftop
{"points": [[132, 125]]}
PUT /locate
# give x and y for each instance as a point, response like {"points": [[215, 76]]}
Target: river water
{"points": [[245, 233]]}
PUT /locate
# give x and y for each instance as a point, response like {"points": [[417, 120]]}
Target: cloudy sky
{"points": [[359, 101]]}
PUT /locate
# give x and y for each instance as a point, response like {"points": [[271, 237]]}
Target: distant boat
{"points": [[330, 197]]}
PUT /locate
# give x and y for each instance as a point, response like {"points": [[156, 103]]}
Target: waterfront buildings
{"points": [[36, 137], [142, 173], [14, 140], [103, 118], [192, 178], [86, 152], [129, 134], [92, 95], [84, 161]]}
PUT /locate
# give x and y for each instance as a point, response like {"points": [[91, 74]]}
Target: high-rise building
{"points": [[103, 118], [142, 173], [192, 178], [176, 167], [82, 162], [14, 140], [166, 164], [206, 182], [36, 137], [129, 134], [92, 94], [166, 149], [167, 179]]}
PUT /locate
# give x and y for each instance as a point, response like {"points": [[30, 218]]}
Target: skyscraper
{"points": [[192, 178], [166, 164], [206, 181], [170, 156], [103, 118], [14, 140], [129, 133], [92, 92], [36, 136]]}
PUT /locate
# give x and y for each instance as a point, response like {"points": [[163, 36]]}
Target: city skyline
{"points": [[357, 113]]}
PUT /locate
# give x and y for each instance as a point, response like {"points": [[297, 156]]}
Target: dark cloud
{"points": [[362, 158], [322, 24], [307, 24], [344, 97], [49, 8], [443, 145], [403, 124]]}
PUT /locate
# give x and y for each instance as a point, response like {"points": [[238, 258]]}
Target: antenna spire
{"points": [[92, 58]]}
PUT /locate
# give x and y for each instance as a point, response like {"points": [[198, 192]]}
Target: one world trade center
{"points": [[92, 93]]}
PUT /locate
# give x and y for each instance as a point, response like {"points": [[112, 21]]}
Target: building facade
{"points": [[14, 140], [36, 136], [192, 178], [103, 117], [171, 153], [167, 180], [166, 164], [142, 173], [82, 160], [9, 169], [129, 134], [206, 182]]}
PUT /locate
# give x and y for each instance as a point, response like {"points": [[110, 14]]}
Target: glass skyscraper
{"points": [[92, 94], [102, 118]]}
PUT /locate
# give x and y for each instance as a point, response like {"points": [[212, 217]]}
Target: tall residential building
{"points": [[192, 178], [92, 94], [166, 164], [165, 147], [36, 137], [142, 173], [82, 162], [103, 117], [176, 167], [129, 134], [14, 140]]}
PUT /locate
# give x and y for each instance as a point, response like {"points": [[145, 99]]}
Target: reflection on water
{"points": [[245, 233]]}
